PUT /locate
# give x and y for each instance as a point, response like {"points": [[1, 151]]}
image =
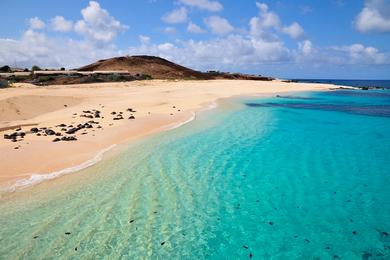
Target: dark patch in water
{"points": [[359, 93], [297, 97], [368, 110]]}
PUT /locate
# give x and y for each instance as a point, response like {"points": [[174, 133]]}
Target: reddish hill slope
{"points": [[157, 68]]}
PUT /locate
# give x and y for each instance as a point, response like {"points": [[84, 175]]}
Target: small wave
{"points": [[177, 125], [38, 178], [212, 105]]}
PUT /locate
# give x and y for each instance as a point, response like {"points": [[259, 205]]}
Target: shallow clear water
{"points": [[276, 178]]}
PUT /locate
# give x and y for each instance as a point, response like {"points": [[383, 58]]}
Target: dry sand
{"points": [[158, 104]]}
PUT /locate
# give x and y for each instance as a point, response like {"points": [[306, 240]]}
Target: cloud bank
{"points": [[226, 46]]}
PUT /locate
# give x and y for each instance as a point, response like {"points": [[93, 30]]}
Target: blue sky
{"points": [[289, 39]]}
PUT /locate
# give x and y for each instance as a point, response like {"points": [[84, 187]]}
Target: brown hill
{"points": [[156, 67]]}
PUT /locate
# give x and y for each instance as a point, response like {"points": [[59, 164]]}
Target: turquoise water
{"points": [[305, 176]]}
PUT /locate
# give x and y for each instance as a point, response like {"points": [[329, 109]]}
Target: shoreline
{"points": [[148, 123]]}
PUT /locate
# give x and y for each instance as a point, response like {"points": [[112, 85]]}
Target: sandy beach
{"points": [[106, 113]]}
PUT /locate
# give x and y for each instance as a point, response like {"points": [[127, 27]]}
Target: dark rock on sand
{"points": [[131, 117], [87, 116], [50, 132], [72, 130], [56, 140], [68, 138], [34, 130]]}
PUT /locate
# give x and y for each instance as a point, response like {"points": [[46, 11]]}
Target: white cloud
{"points": [[36, 23], [231, 52], [295, 31], [194, 28], [36, 48], [176, 16], [170, 30], [97, 24], [306, 47], [375, 16], [166, 47], [267, 24], [60, 24], [219, 25], [268, 19], [257, 31], [360, 54], [144, 39], [208, 5]]}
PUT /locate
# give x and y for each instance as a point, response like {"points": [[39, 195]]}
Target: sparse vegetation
{"points": [[146, 77], [4, 83], [5, 69], [35, 67], [43, 79]]}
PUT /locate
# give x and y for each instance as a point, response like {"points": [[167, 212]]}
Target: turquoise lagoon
{"points": [[301, 176]]}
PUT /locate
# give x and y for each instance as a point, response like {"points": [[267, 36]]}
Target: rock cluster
{"points": [[65, 132]]}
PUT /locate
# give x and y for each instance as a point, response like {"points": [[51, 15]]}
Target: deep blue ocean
{"points": [[295, 176], [350, 82]]}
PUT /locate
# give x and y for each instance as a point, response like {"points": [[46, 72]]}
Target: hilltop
{"points": [[155, 67]]}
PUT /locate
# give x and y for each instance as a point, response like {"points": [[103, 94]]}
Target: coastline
{"points": [[160, 106]]}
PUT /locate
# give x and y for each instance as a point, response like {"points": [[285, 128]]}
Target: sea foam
{"points": [[36, 178]]}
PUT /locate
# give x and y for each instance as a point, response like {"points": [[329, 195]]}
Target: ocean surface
{"points": [[350, 82], [300, 176]]}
